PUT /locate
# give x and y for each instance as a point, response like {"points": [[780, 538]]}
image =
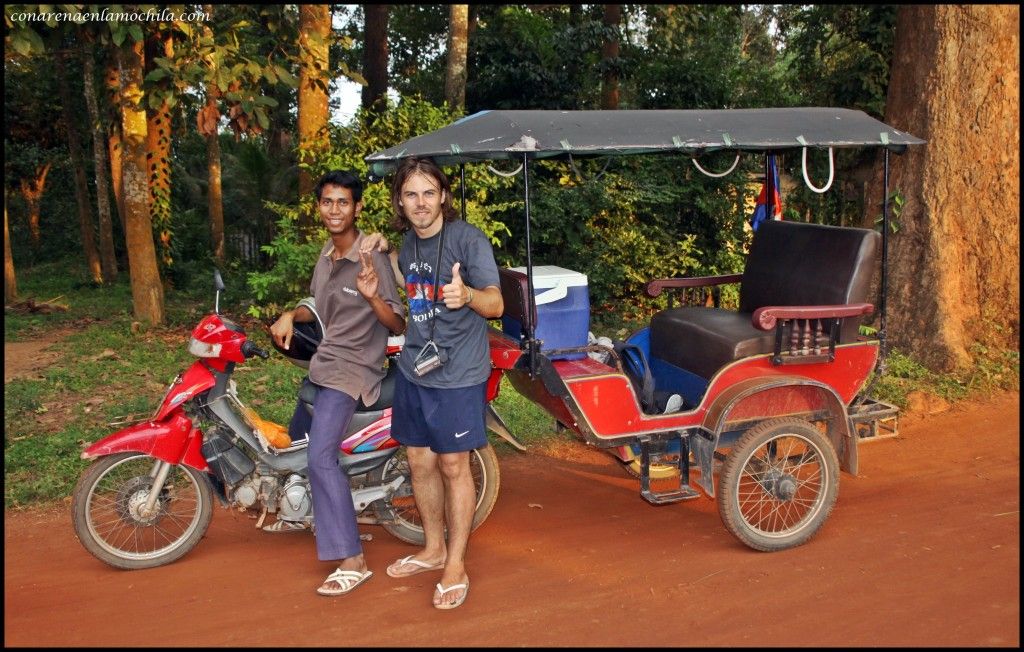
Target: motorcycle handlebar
{"points": [[249, 349]]}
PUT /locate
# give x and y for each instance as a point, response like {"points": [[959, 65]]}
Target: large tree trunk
{"points": [[314, 30], [82, 197], [32, 191], [115, 148], [10, 281], [610, 58], [455, 72], [214, 196], [210, 130], [158, 152], [147, 291], [955, 261], [375, 56], [108, 260]]}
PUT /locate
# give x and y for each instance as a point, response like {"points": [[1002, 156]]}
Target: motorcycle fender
{"points": [[172, 440], [196, 379]]}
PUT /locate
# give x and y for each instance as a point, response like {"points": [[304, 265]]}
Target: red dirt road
{"points": [[923, 549]]}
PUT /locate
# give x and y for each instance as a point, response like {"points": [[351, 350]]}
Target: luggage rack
{"points": [[875, 420]]}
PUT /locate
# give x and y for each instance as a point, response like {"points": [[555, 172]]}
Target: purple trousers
{"points": [[337, 535]]}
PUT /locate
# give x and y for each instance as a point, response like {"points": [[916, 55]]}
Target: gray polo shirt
{"points": [[350, 358]]}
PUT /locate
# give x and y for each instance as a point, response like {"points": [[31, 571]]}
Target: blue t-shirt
{"points": [[461, 335]]}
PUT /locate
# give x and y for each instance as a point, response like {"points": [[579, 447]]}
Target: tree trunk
{"points": [[108, 260], [314, 30], [375, 56], [115, 148], [455, 73], [955, 261], [147, 291], [609, 58], [158, 155], [10, 281], [214, 195], [32, 191], [82, 197]]}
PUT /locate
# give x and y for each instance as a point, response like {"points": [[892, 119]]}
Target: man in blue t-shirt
{"points": [[453, 288]]}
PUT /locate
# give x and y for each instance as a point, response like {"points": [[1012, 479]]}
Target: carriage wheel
{"points": [[778, 484]]}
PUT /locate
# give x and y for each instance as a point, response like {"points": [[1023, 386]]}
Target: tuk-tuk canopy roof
{"points": [[497, 135]]}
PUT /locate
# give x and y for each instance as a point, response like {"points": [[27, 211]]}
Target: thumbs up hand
{"points": [[456, 294]]}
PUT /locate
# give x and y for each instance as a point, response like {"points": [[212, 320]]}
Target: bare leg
{"points": [[428, 490], [459, 503]]}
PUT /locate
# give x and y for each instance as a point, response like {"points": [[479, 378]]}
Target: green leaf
{"points": [[136, 33], [22, 46], [262, 118], [118, 35], [156, 75]]}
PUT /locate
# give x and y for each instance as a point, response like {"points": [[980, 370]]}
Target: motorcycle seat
{"points": [[308, 391]]}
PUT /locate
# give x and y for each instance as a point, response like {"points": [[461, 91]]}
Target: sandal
{"points": [[346, 580], [420, 567], [285, 526], [453, 587]]}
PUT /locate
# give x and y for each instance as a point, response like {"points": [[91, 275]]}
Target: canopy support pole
{"points": [[462, 188], [884, 283], [531, 302]]}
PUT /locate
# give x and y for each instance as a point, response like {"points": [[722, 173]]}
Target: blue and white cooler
{"points": [[563, 310]]}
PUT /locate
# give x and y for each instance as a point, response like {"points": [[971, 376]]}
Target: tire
{"points": [[107, 521], [773, 503], [398, 514]]}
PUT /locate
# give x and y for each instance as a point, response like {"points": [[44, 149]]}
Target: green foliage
{"points": [[991, 369], [840, 54], [552, 51]]}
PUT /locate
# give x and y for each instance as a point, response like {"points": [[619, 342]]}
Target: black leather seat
{"points": [[790, 264]]}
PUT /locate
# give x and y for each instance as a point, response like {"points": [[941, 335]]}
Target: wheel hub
{"points": [[782, 486], [131, 502]]}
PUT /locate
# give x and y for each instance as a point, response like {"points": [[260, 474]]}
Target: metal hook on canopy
{"points": [[720, 174], [506, 174], [831, 172]]}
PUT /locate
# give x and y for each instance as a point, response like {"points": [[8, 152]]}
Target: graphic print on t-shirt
{"points": [[419, 287]]}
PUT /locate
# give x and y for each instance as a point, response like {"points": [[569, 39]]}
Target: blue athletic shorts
{"points": [[444, 420]]}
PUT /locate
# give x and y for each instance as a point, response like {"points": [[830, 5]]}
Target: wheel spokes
{"points": [[781, 485], [114, 510]]}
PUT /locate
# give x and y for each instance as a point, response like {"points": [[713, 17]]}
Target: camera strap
{"points": [[437, 275]]}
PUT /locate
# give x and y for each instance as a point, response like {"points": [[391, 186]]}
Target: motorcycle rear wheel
{"points": [[398, 514], [106, 511]]}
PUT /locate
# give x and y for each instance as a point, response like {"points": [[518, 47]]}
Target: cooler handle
{"points": [[556, 293]]}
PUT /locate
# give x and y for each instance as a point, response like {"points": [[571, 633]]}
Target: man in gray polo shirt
{"points": [[359, 305]]}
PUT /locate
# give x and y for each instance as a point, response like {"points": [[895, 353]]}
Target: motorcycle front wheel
{"points": [[398, 514], [108, 511]]}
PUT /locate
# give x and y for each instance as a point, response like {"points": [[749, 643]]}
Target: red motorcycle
{"points": [[148, 498]]}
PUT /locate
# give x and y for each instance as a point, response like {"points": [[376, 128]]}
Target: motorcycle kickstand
{"points": [[263, 515]]}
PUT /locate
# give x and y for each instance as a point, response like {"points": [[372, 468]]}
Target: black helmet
{"points": [[306, 336]]}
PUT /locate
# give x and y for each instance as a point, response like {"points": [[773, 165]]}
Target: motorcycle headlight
{"points": [[202, 349]]}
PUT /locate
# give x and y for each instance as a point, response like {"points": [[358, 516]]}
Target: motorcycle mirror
{"points": [[218, 285]]}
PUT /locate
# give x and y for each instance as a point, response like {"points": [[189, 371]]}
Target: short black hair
{"points": [[342, 178]]}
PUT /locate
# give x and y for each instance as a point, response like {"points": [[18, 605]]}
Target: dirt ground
{"points": [[922, 549]]}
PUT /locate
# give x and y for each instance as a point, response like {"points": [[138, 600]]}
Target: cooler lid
{"points": [[551, 283]]}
